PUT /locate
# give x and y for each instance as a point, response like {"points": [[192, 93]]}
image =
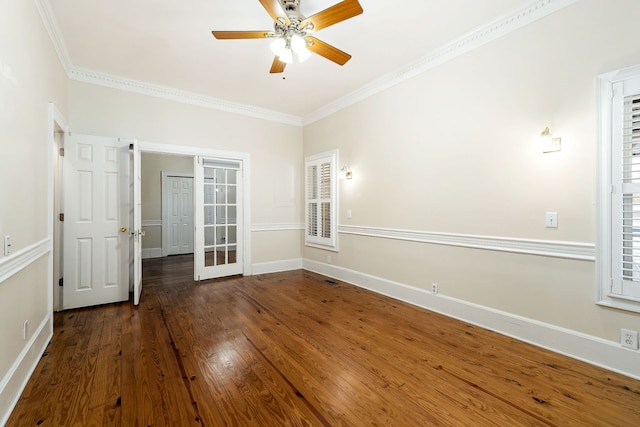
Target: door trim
{"points": [[245, 158], [56, 122]]}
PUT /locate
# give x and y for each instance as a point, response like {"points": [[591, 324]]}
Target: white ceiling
{"points": [[169, 43]]}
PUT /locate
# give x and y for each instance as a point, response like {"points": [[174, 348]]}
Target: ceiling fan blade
{"points": [[274, 9], [324, 49], [224, 35], [277, 66], [337, 13]]}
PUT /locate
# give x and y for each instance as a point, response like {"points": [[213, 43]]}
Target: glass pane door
{"points": [[220, 253]]}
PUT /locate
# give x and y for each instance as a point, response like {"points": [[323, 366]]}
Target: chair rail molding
{"points": [[21, 259], [550, 248]]}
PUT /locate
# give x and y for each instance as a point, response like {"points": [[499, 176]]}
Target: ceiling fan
{"points": [[292, 39]]}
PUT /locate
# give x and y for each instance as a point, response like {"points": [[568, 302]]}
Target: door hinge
{"points": [[62, 152], [60, 282], [62, 217]]}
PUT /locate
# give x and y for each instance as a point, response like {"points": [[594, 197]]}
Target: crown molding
{"points": [[472, 40], [144, 88], [51, 25]]}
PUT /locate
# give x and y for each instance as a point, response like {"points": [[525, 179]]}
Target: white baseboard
{"points": [[16, 379], [277, 266], [152, 253], [587, 348]]}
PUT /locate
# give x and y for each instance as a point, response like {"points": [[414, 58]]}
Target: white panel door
{"points": [[137, 232], [180, 215], [96, 210], [218, 216]]}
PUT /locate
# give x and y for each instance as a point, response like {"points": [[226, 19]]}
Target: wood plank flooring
{"points": [[293, 349]]}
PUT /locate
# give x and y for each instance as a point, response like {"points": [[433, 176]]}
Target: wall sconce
{"points": [[548, 142], [347, 173]]}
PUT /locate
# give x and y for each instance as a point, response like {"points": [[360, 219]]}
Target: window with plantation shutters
{"points": [[618, 257], [320, 200]]}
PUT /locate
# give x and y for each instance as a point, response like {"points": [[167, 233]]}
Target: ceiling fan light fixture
{"points": [[303, 55], [286, 56], [298, 44], [278, 46]]}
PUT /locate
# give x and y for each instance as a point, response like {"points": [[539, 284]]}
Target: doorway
{"points": [[171, 154], [177, 213]]}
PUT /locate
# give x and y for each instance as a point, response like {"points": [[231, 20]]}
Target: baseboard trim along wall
{"points": [[277, 266], [152, 253], [587, 348], [16, 379]]}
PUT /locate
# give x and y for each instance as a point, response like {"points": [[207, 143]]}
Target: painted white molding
{"points": [[51, 25], [144, 88], [550, 248], [152, 253], [472, 40], [596, 351], [14, 382], [277, 227], [277, 266], [152, 223], [21, 259]]}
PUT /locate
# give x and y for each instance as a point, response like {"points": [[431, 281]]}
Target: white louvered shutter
{"points": [[627, 285], [321, 188]]}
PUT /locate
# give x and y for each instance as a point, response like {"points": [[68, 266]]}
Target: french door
{"points": [[218, 217]]}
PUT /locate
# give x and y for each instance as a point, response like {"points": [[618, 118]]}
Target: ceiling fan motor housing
{"points": [[292, 8]]}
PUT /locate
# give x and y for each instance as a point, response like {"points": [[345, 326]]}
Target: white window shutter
{"points": [[321, 200], [627, 284], [618, 251]]}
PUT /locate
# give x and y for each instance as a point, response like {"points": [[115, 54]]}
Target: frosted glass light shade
{"points": [[278, 47], [298, 44]]}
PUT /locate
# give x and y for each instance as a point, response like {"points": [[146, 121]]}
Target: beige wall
{"points": [[453, 150], [30, 77], [275, 149]]}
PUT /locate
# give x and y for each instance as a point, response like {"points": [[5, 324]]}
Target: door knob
{"points": [[123, 229]]}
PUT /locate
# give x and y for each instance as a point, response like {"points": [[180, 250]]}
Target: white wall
{"points": [[454, 151], [275, 150], [30, 76]]}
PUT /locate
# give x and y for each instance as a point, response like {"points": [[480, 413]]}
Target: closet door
{"points": [[180, 215]]}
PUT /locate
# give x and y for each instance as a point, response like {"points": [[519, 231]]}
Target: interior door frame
{"points": [[165, 206], [56, 123], [245, 158]]}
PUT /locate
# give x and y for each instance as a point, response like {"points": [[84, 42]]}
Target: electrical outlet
{"points": [[434, 288], [328, 259], [629, 339], [25, 329]]}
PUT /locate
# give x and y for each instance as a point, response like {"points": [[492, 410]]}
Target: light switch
{"points": [[551, 220], [7, 245]]}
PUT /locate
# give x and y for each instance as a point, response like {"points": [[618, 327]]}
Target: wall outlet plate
{"points": [[434, 288], [629, 339]]}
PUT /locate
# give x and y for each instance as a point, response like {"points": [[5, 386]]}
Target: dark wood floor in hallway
{"points": [[294, 349]]}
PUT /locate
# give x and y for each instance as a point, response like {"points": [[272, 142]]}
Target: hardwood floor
{"points": [[293, 349]]}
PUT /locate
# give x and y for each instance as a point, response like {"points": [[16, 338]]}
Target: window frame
{"points": [[330, 243], [608, 236]]}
